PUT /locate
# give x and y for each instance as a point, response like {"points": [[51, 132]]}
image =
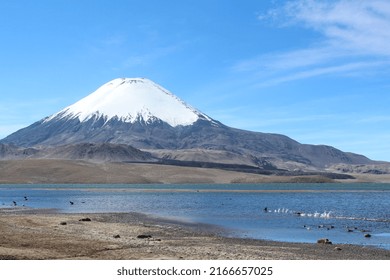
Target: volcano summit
{"points": [[134, 111], [129, 101], [139, 113]]}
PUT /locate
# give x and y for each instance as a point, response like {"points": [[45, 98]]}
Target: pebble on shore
{"points": [[324, 241]]}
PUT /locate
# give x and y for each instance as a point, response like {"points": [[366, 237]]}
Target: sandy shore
{"points": [[49, 235], [55, 171]]}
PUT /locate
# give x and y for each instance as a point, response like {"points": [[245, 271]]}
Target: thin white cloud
{"points": [[349, 68], [378, 119], [360, 26], [285, 61], [354, 37]]}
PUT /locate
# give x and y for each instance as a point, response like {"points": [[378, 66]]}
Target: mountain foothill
{"points": [[136, 121]]}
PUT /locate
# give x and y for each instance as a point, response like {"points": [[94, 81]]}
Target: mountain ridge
{"points": [[159, 125]]}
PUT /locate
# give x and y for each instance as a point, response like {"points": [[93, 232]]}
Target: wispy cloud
{"points": [[345, 69], [372, 120], [359, 26], [354, 37]]}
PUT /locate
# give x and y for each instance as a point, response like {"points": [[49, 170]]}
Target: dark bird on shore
{"points": [[14, 202], [71, 202], [266, 209]]}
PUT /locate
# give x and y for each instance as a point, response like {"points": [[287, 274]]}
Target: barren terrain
{"points": [[53, 171], [49, 235]]}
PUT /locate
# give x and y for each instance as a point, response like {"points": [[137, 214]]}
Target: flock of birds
{"points": [[25, 198], [16, 204], [325, 214]]}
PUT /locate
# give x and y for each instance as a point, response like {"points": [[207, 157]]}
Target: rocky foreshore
{"points": [[49, 235]]}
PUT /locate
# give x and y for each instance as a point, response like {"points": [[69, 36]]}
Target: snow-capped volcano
{"points": [[130, 100], [139, 113]]}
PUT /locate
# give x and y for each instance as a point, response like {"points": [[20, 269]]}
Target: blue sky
{"points": [[316, 71]]}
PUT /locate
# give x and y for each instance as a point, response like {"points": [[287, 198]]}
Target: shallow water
{"points": [[343, 213]]}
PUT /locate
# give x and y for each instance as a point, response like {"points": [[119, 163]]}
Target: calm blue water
{"points": [[343, 213]]}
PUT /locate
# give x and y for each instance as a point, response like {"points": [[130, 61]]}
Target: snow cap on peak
{"points": [[132, 99]]}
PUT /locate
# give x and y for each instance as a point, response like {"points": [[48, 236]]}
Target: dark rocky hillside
{"points": [[203, 135]]}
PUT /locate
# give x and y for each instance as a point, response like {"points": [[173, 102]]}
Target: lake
{"points": [[343, 213]]}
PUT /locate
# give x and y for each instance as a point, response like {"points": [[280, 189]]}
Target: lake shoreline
{"points": [[56, 171], [47, 234], [238, 207]]}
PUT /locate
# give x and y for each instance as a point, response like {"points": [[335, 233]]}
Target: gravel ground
{"points": [[49, 235]]}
